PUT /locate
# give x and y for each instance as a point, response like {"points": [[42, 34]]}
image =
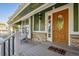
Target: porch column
{"points": [[30, 27]]}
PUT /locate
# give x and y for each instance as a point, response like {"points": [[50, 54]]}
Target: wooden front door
{"points": [[60, 27]]}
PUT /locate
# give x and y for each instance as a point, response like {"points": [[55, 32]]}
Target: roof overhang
{"points": [[21, 7], [43, 7]]}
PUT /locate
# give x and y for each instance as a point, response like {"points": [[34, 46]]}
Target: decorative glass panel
{"points": [[49, 26]]}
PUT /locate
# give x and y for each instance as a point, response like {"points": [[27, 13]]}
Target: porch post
{"points": [[30, 27]]}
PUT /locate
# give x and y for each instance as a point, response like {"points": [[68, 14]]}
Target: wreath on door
{"points": [[60, 23]]}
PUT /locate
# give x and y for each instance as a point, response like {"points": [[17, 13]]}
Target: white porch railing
{"points": [[7, 46], [12, 44]]}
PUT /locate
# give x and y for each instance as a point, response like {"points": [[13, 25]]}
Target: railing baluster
{"points": [[9, 47], [13, 45], [4, 53]]}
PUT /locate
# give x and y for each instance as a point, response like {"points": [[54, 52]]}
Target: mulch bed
{"points": [[58, 50]]}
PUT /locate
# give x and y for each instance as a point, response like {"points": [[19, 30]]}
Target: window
{"points": [[42, 22], [36, 22], [39, 22]]}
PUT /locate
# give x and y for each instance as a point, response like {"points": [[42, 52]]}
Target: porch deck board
{"points": [[39, 49], [36, 50]]}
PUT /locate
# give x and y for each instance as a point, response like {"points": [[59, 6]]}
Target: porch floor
{"points": [[31, 48]]}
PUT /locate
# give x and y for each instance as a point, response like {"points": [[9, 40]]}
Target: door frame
{"points": [[70, 19]]}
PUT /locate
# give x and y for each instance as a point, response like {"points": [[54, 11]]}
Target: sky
{"points": [[6, 10]]}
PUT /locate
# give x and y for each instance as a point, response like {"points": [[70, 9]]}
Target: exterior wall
{"points": [[40, 37], [75, 42], [36, 35], [39, 28]]}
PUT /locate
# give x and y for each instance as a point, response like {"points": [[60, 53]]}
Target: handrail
{"points": [[3, 40], [9, 36]]}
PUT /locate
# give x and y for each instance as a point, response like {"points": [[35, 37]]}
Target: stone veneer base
{"points": [[75, 42], [40, 37]]}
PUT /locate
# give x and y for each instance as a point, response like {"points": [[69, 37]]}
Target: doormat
{"points": [[58, 50]]}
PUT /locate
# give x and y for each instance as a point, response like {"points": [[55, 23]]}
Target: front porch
{"points": [[18, 45], [32, 48], [26, 47]]}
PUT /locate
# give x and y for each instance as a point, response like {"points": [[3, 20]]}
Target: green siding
{"points": [[75, 17], [59, 4]]}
